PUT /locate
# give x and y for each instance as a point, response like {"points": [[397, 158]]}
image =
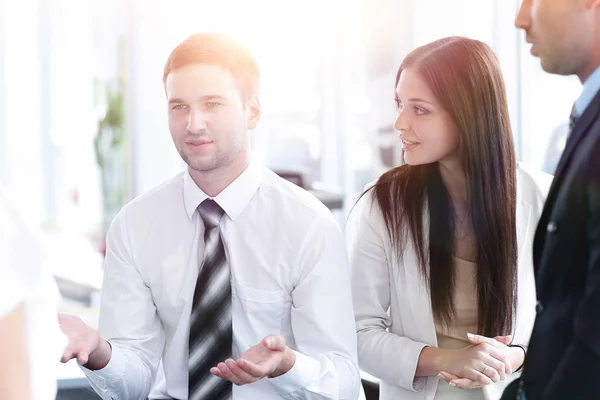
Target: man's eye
{"points": [[179, 107], [212, 104]]}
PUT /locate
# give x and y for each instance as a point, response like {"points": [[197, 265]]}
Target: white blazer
{"points": [[392, 305]]}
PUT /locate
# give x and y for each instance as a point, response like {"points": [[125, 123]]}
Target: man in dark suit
{"points": [[563, 358]]}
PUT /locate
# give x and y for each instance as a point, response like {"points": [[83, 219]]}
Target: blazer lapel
{"points": [[583, 125], [418, 291]]}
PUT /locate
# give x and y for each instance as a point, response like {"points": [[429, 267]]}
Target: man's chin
{"points": [[552, 67], [203, 167], [546, 65], [202, 164]]}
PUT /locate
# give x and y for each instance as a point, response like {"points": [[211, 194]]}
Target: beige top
{"points": [[465, 305]]}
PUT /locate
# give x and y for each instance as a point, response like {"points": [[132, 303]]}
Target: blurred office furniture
{"points": [[83, 294], [332, 200], [390, 33], [86, 393], [79, 389], [298, 178]]}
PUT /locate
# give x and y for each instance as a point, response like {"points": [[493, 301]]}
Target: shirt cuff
{"points": [[298, 377], [100, 379]]}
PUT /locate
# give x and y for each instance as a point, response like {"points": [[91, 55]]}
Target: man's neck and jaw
{"points": [[215, 181], [591, 65], [588, 67], [590, 78], [584, 75]]}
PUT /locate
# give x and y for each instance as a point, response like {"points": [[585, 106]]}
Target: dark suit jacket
{"points": [[563, 358]]}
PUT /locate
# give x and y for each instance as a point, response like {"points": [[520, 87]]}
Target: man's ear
{"points": [[255, 111]]}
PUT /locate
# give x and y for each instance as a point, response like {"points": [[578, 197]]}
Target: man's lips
{"points": [[197, 142]]}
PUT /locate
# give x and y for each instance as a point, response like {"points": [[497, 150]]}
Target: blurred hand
{"points": [[83, 340], [268, 359], [466, 381]]}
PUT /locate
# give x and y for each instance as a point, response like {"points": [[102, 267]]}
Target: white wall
{"points": [[154, 156], [21, 128], [3, 148]]}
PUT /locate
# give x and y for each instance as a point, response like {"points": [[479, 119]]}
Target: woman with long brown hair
{"points": [[443, 284]]}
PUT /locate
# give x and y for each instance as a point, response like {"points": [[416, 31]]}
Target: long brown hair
{"points": [[465, 76]]}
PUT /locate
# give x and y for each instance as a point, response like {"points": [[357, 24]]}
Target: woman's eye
{"points": [[398, 104]]}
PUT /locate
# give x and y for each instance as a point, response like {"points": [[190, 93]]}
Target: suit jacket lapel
{"points": [[581, 127]]}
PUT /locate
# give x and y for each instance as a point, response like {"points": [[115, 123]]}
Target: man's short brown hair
{"points": [[220, 50]]}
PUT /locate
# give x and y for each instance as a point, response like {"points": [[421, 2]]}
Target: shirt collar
{"points": [[590, 88], [233, 199]]}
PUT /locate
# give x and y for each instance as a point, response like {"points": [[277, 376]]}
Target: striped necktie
{"points": [[211, 337], [572, 120]]}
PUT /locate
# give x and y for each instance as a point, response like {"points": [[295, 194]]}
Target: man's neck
{"points": [[590, 66], [584, 75], [215, 181]]}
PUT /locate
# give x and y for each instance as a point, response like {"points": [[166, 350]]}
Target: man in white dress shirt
{"points": [[227, 259]]}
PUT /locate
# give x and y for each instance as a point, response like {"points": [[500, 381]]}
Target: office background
{"points": [[83, 124]]}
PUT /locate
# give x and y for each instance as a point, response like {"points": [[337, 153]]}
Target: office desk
{"points": [[332, 200]]}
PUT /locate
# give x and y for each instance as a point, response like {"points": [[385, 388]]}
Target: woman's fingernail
{"points": [[470, 335], [452, 384], [441, 376]]}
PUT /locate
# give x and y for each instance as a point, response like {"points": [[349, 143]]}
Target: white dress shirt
{"points": [[24, 280], [590, 87], [392, 302], [289, 276]]}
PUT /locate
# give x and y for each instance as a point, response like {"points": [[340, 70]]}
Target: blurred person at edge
{"points": [[563, 360], [31, 342]]}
